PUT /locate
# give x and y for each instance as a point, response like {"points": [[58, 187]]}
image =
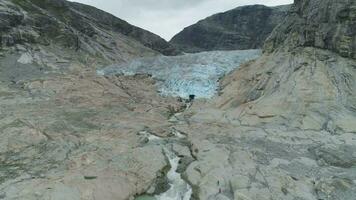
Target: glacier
{"points": [[189, 74]]}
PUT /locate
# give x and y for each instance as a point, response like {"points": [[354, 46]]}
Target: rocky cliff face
{"points": [[79, 30], [320, 24], [245, 27]]}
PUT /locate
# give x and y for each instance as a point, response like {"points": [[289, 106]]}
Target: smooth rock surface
{"points": [[75, 138]]}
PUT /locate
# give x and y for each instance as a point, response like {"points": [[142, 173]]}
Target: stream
{"points": [[179, 189]]}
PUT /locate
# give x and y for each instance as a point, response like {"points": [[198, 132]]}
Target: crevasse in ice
{"points": [[190, 74]]}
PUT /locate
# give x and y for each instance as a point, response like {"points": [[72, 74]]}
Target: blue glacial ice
{"points": [[190, 74]]}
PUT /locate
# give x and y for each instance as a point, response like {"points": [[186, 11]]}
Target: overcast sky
{"points": [[168, 17]]}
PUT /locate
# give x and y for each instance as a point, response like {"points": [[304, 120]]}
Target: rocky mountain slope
{"points": [[244, 27], [69, 30], [330, 26], [284, 126], [66, 133]]}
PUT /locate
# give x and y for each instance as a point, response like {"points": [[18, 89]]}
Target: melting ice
{"points": [[190, 74]]}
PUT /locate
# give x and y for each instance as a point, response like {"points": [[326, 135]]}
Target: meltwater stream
{"points": [[190, 74], [179, 189]]}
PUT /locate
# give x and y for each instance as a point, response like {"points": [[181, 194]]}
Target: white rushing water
{"points": [[190, 74], [179, 189]]}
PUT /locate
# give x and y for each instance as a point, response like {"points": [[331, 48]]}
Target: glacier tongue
{"points": [[189, 74]]}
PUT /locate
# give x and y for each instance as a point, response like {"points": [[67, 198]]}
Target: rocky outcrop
{"points": [[244, 27], [320, 24], [78, 137], [283, 126], [57, 25]]}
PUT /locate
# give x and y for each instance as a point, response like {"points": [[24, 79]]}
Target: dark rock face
{"points": [[70, 25], [145, 37], [241, 28], [325, 24]]}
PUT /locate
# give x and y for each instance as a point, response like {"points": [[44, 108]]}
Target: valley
{"points": [[93, 108]]}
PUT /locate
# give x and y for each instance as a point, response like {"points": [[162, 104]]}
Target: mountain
{"points": [[330, 27], [244, 27], [79, 30], [284, 124]]}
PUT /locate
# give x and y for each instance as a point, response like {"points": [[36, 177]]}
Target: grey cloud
{"points": [[168, 17], [163, 4]]}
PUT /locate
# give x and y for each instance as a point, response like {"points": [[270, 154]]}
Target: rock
{"points": [[66, 137], [221, 197], [181, 150], [25, 58], [75, 30], [63, 193], [240, 196], [317, 24], [335, 188], [340, 156], [241, 28], [281, 126]]}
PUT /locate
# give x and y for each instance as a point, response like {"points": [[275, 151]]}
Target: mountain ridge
{"points": [[244, 27], [79, 29]]}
